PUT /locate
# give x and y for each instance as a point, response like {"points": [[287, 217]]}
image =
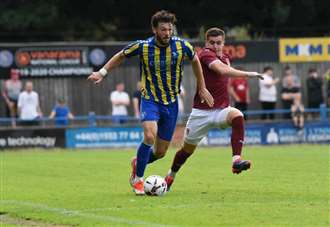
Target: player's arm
{"points": [[224, 69], [202, 91], [132, 49], [114, 62]]}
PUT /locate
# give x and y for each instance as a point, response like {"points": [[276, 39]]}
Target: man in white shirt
{"points": [[28, 105], [119, 100], [267, 92]]}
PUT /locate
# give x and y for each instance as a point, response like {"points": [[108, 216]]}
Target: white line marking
{"points": [[67, 212], [140, 208]]}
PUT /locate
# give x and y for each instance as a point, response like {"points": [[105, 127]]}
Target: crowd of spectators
{"points": [[275, 92]]}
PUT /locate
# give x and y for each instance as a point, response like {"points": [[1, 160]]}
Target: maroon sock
{"points": [[179, 159], [237, 135]]}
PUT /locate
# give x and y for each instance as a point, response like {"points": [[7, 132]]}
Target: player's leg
{"points": [[159, 150], [180, 158], [196, 129], [149, 119], [235, 119], [166, 127]]}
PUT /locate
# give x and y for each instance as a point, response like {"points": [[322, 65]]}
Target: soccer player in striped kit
{"points": [[161, 70]]}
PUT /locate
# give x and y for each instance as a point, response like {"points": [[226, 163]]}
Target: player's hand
{"points": [[205, 96], [96, 77], [256, 75]]}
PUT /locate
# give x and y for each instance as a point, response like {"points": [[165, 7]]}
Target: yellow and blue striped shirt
{"points": [[161, 68]]}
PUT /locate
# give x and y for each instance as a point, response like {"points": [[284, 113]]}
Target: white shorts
{"points": [[201, 121]]}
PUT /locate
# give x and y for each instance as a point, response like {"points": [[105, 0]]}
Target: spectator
{"points": [[327, 78], [288, 92], [137, 100], [289, 74], [11, 90], [314, 89], [239, 90], [268, 92], [120, 100], [61, 113], [297, 112], [28, 106]]}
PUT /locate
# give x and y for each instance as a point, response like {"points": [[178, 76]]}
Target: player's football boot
{"points": [[138, 187], [241, 165], [169, 181], [133, 174]]}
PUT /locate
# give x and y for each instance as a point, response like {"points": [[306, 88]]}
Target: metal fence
{"points": [[93, 120], [83, 97]]}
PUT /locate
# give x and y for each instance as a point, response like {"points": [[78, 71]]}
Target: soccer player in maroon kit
{"points": [[216, 70]]}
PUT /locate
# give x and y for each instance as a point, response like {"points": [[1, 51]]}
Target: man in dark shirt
{"points": [[137, 100]]}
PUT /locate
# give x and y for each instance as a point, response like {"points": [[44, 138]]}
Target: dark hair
{"points": [[164, 17], [268, 68], [312, 70], [287, 67], [60, 100], [214, 32]]}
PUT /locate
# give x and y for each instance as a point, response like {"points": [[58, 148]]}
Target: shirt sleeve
{"points": [[188, 50], [37, 99], [136, 94], [112, 96], [132, 49], [19, 102]]}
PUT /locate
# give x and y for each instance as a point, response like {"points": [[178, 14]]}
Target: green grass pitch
{"points": [[287, 186]]}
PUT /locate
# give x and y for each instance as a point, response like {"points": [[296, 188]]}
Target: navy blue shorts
{"points": [[165, 115]]}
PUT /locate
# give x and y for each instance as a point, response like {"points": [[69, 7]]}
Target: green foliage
{"points": [[130, 19], [287, 186]]}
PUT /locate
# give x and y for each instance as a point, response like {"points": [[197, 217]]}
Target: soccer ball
{"points": [[155, 185]]}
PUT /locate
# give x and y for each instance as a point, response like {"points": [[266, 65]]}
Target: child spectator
{"points": [[61, 113]]}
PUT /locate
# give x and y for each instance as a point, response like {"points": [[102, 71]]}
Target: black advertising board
{"points": [[21, 138], [249, 51], [80, 59]]}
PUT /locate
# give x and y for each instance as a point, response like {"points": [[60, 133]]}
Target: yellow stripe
{"points": [[144, 91], [190, 47], [131, 49], [158, 75], [177, 68], [149, 76], [169, 73]]}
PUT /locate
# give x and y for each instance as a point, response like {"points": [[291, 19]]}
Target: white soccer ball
{"points": [[155, 185]]}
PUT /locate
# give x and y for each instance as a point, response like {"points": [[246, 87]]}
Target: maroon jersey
{"points": [[215, 83], [241, 87]]}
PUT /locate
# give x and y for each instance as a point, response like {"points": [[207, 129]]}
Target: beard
{"points": [[163, 42]]}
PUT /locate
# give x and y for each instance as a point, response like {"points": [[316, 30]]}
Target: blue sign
{"points": [[103, 137], [274, 133], [6, 58]]}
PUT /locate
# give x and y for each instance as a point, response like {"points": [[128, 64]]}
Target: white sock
{"points": [[136, 179], [236, 157], [171, 173]]}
